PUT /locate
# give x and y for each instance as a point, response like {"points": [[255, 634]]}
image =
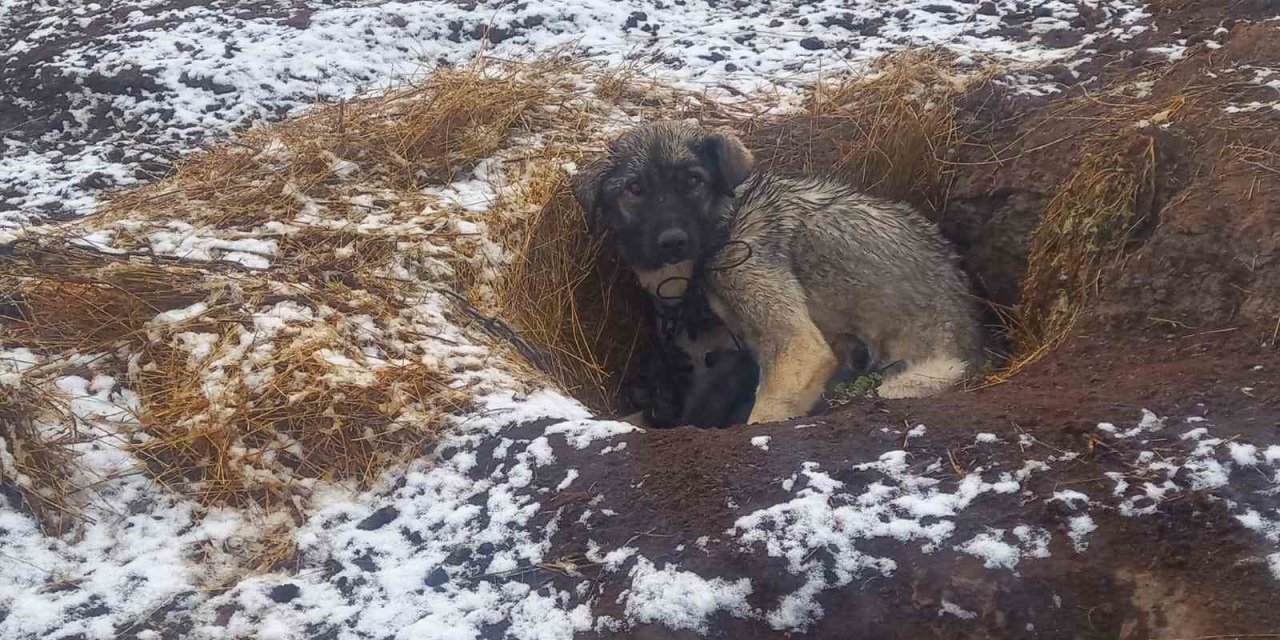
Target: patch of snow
{"points": [[821, 530], [761, 442], [953, 609], [1079, 527], [998, 554], [581, 433], [682, 600], [176, 316], [1243, 454], [1071, 498]]}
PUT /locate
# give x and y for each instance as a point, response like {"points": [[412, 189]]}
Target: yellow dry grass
{"points": [[37, 463], [303, 426], [903, 117], [888, 130], [64, 298], [568, 294], [1085, 228], [336, 164], [425, 134]]}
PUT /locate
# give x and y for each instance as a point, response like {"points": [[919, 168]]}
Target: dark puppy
{"points": [[724, 394], [660, 390], [720, 395]]}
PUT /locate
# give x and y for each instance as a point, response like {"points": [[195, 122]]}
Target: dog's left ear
{"points": [[734, 163], [586, 184]]}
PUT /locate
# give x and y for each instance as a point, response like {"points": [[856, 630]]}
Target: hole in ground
{"points": [[569, 294]]}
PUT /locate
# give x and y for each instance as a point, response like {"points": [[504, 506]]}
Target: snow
{"points": [[953, 609], [1148, 423], [613, 560], [446, 507], [821, 532], [1070, 497], [124, 563], [761, 442], [986, 438], [177, 316], [204, 71], [1079, 527], [1243, 454], [995, 553], [682, 600], [581, 433], [15, 362], [184, 241]]}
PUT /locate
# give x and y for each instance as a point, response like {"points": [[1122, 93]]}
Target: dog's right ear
{"points": [[734, 162], [587, 184]]}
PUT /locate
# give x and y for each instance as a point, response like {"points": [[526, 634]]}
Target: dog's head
{"points": [[662, 188]]}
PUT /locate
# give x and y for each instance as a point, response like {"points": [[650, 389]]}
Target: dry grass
{"points": [[1086, 227], [903, 118], [426, 134], [63, 298], [305, 425], [888, 131], [339, 164], [37, 464], [567, 293]]}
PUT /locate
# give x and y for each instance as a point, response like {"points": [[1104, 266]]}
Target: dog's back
{"points": [[872, 270]]}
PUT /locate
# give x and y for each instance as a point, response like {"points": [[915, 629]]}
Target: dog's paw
{"points": [[927, 378]]}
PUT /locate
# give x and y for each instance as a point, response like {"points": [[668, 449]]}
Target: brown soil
{"points": [[1188, 571]]}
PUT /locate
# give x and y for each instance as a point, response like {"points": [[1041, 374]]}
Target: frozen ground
{"points": [[102, 95], [470, 540]]}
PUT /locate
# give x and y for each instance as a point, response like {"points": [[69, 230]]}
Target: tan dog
{"points": [[798, 269]]}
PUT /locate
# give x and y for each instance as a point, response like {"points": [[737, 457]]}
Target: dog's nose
{"points": [[673, 243]]}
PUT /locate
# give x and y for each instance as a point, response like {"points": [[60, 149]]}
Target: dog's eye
{"points": [[635, 188]]}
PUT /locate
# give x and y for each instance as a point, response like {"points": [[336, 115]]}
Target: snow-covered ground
{"points": [[102, 95], [436, 548]]}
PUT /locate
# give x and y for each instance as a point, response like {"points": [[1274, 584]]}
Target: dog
{"points": [[798, 269], [696, 374]]}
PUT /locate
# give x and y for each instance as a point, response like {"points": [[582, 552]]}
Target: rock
{"points": [[635, 19], [812, 44], [437, 578], [366, 562], [988, 9], [378, 519], [283, 593]]}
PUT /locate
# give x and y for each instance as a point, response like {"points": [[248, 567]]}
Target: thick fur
{"points": [[799, 269]]}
